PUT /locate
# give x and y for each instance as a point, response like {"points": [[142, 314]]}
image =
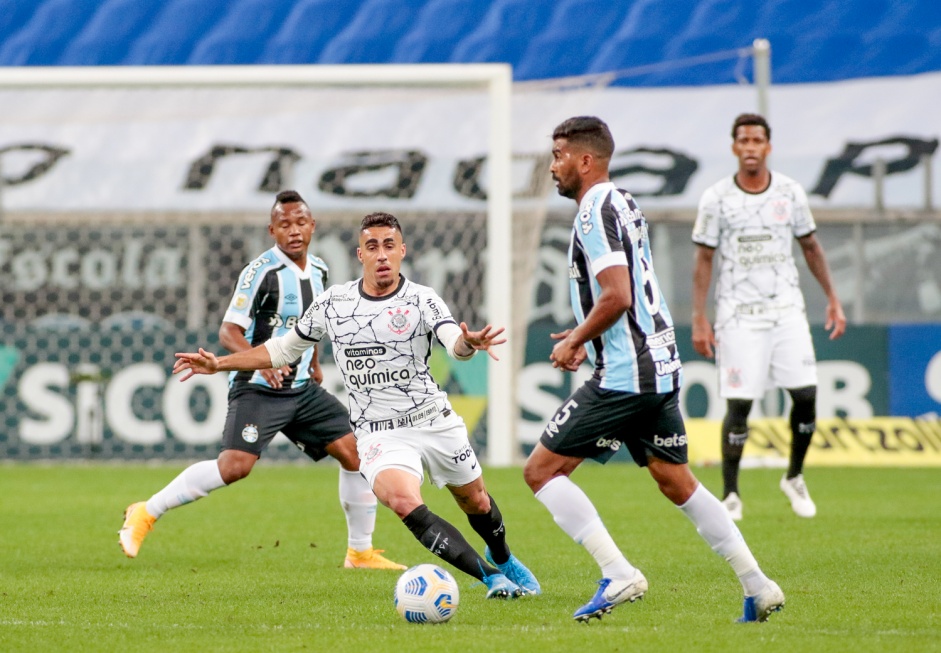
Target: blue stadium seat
{"points": [[575, 31], [821, 59], [909, 16], [306, 30], [933, 61], [172, 35], [654, 18], [820, 19], [373, 33], [41, 40], [729, 19], [644, 35], [728, 70], [628, 53], [438, 28], [241, 34], [504, 31], [896, 54], [821, 41], [107, 37], [13, 15]]}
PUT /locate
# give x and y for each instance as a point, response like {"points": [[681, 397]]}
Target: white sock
{"points": [[359, 506], [573, 511], [194, 482], [713, 522]]}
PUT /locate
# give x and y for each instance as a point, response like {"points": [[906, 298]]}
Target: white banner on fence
{"points": [[218, 149]]}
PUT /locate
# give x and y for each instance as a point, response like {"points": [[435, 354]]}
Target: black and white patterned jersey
{"points": [[754, 233], [382, 346], [270, 296]]}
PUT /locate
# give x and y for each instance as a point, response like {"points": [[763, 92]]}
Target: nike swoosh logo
{"points": [[613, 597], [474, 466]]}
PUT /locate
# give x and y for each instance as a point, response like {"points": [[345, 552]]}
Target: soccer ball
{"points": [[426, 594]]}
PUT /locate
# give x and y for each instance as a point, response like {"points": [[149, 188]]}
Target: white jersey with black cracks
{"points": [[754, 234], [382, 346]]}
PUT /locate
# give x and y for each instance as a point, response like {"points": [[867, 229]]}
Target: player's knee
{"points": [[235, 466], [344, 451], [542, 466], [536, 475], [676, 482], [736, 416], [805, 404], [531, 477]]}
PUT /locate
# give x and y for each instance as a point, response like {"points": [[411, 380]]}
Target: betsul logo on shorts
{"points": [[674, 440], [608, 443]]}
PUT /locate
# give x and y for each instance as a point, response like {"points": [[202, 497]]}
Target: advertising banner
{"points": [[877, 441], [225, 149], [915, 370]]}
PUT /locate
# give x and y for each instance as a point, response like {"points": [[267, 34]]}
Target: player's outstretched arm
{"points": [[204, 362], [481, 340]]}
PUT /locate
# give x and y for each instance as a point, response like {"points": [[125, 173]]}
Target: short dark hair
{"points": [[380, 219], [589, 132], [750, 119], [288, 197]]}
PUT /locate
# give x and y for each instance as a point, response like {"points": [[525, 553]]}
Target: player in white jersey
{"points": [[271, 294], [382, 327], [624, 325], [761, 334]]}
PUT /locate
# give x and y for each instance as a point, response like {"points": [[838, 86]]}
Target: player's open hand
{"points": [[202, 362], [577, 358], [484, 339]]}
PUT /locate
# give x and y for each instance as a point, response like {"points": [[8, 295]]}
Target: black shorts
{"points": [[311, 419], [594, 422]]}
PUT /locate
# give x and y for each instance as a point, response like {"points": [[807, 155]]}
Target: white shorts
{"points": [[443, 449], [751, 361]]}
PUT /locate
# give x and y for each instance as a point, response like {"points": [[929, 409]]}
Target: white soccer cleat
{"points": [[760, 606], [796, 490], [612, 593], [734, 505]]}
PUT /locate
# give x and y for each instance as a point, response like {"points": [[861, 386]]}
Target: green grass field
{"points": [[257, 567]]}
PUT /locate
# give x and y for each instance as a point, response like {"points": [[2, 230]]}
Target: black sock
{"points": [[733, 443], [490, 528], [801, 435], [446, 542], [803, 423]]}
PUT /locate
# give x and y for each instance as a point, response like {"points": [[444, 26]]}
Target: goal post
{"points": [[23, 196]]}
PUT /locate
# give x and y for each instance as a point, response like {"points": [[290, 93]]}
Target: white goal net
{"points": [[132, 197]]}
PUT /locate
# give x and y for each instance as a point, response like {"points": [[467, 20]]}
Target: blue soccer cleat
{"points": [[760, 606], [517, 572], [501, 587], [611, 593]]}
